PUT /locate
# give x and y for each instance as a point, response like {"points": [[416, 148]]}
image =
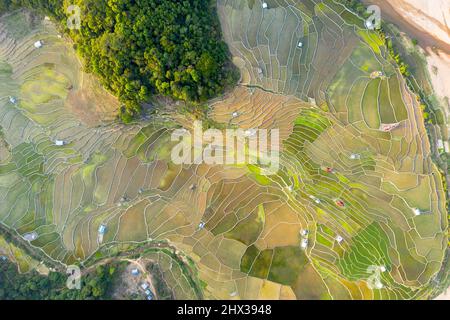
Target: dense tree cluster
{"points": [[142, 47], [95, 285]]}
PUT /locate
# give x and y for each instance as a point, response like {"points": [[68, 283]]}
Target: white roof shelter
{"points": [[102, 229], [379, 285], [12, 100], [417, 211], [300, 44], [250, 133], [304, 243], [135, 272], [59, 143], [38, 44], [316, 200], [339, 239], [369, 25], [264, 5]]}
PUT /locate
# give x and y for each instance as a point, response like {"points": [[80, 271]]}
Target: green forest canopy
{"points": [[96, 285], [144, 47]]}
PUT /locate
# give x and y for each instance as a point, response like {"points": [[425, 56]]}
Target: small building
{"points": [[417, 211], [13, 100], [329, 170], [30, 236], [60, 143], [148, 293], [235, 114], [135, 272], [304, 232], [304, 243], [290, 188], [379, 285], [316, 200], [387, 127], [149, 298], [440, 145], [3, 258], [383, 269], [265, 5], [355, 156], [38, 44], [339, 239], [300, 45], [145, 286], [250, 133], [202, 225], [340, 203], [102, 229], [369, 25], [47, 18]]}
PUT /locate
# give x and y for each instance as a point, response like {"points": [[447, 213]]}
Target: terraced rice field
{"points": [[330, 109]]}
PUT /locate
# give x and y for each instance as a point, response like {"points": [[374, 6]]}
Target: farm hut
{"points": [[135, 272], [102, 229], [60, 143], [369, 25], [304, 243], [38, 44]]}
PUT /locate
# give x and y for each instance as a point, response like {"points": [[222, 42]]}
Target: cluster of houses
{"points": [[146, 288]]}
